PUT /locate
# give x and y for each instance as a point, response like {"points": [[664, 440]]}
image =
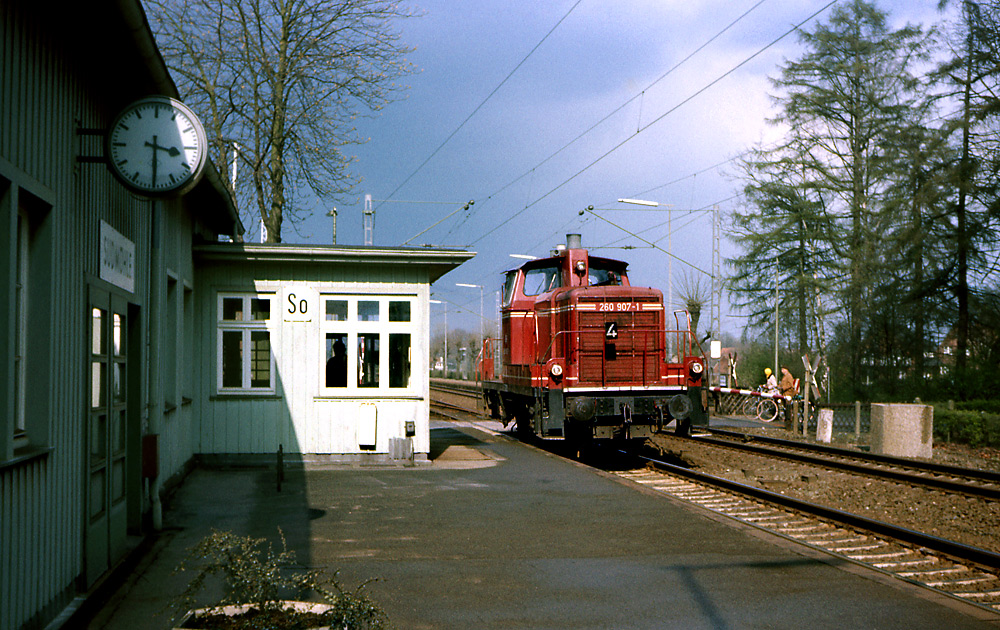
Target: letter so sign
{"points": [[298, 303]]}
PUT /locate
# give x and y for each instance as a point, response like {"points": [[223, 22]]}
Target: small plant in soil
{"points": [[255, 576]]}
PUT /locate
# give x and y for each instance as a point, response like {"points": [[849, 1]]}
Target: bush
{"points": [[252, 573], [975, 428]]}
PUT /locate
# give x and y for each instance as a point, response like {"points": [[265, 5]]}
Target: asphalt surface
{"points": [[498, 534]]}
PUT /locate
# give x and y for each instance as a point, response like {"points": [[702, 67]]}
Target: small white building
{"points": [[320, 351]]}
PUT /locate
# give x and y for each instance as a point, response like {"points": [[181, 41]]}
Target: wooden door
{"points": [[107, 423]]}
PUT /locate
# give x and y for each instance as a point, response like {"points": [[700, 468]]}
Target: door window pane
{"points": [[399, 311], [232, 358], [336, 310], [118, 381], [98, 342], [367, 311], [98, 381], [368, 360], [336, 362], [399, 360], [260, 358], [117, 339]]}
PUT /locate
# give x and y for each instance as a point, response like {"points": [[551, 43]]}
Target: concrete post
{"points": [[902, 430], [824, 426]]}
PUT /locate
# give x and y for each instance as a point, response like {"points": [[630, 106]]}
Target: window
{"points": [[20, 323], [542, 280], [366, 343], [245, 360], [508, 287], [599, 275], [25, 276]]}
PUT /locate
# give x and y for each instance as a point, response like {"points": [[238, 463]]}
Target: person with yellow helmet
{"points": [[771, 386]]}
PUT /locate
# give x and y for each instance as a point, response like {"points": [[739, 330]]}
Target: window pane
{"points": [[399, 360], [367, 311], [399, 311], [119, 341], [232, 309], [98, 344], [336, 362], [336, 310], [368, 360], [232, 358], [118, 381], [538, 281], [98, 438], [260, 358], [98, 380], [260, 308]]}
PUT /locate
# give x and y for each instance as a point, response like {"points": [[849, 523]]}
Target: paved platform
{"points": [[498, 534]]}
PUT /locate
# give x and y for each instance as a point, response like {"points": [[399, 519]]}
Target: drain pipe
{"points": [[155, 305]]}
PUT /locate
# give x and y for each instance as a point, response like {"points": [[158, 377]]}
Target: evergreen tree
{"points": [[842, 101]]}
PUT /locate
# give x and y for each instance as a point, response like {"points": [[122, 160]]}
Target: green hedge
{"points": [[972, 427]]}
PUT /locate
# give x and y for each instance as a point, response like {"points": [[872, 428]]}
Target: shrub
{"points": [[975, 428], [252, 573]]}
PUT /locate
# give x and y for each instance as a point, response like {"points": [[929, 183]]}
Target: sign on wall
{"points": [[299, 303], [117, 258]]}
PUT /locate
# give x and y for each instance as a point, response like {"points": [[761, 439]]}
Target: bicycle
{"points": [[767, 410]]}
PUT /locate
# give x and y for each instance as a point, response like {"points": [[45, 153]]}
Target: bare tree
{"points": [[279, 85]]}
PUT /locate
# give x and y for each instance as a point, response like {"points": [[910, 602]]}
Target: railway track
{"points": [[968, 481], [959, 571]]}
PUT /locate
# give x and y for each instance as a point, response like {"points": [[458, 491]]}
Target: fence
{"points": [[847, 417]]}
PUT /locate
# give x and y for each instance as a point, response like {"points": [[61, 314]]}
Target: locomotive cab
{"points": [[584, 354]]}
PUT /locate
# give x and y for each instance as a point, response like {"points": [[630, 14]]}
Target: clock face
{"points": [[157, 147]]}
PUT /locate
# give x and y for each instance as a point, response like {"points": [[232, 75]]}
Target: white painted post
{"points": [[824, 426]]}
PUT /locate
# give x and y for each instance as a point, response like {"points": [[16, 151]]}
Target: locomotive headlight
{"points": [[556, 370], [697, 368]]}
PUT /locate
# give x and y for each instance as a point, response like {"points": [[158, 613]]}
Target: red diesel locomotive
{"points": [[584, 354]]}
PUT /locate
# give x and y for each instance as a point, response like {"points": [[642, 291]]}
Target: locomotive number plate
{"points": [[617, 307]]}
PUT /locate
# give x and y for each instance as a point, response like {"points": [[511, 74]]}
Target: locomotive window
{"points": [[598, 276], [508, 288], [538, 281]]}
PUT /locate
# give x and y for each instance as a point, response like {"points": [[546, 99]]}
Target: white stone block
{"points": [[902, 430]]}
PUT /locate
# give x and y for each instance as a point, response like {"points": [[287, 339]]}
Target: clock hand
{"points": [[155, 147]]}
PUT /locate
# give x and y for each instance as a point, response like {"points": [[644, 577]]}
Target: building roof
{"points": [[437, 261]]}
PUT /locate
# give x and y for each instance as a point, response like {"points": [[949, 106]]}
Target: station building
{"points": [[319, 351], [133, 342]]}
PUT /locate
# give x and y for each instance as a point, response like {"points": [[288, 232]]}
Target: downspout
{"points": [[155, 304]]}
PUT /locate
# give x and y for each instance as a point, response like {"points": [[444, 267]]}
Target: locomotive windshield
{"points": [[508, 287], [543, 279], [603, 275]]}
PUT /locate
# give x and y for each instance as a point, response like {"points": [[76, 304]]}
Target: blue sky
{"points": [[601, 56]]}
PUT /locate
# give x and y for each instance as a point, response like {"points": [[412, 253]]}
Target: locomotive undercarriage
{"points": [[582, 416]]}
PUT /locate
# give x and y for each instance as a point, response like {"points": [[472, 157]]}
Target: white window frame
{"points": [[354, 328], [245, 327]]}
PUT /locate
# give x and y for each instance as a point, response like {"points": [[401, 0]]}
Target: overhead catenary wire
{"points": [[627, 103], [484, 101], [699, 92]]}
